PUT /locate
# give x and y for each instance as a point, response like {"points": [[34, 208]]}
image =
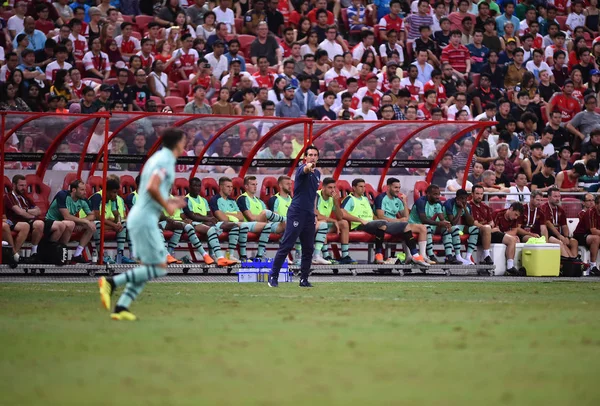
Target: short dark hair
{"points": [[17, 178], [113, 184], [517, 206], [171, 137], [75, 184], [195, 179], [356, 181], [309, 148], [247, 179], [328, 180], [391, 181], [224, 179]]}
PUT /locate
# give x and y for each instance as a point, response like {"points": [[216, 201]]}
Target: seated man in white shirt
{"points": [[330, 45], [519, 193], [365, 111], [460, 104], [452, 185]]}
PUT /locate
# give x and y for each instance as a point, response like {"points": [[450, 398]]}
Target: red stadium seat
{"points": [[71, 176], [210, 188], [127, 19], [156, 99], [181, 187], [173, 101], [143, 21], [497, 203], [245, 41], [572, 206], [576, 156], [239, 25], [127, 185], [238, 187], [111, 81], [251, 69], [420, 188], [38, 191], [370, 192], [562, 21], [137, 35], [184, 87], [268, 188], [344, 188], [7, 185], [95, 183]]}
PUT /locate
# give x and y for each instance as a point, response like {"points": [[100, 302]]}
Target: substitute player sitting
{"points": [[328, 203], [153, 197], [458, 212], [489, 232], [260, 220], [429, 211], [391, 206], [556, 223], [198, 212], [66, 207], [587, 234]]}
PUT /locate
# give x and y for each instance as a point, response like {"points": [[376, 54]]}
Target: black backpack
{"points": [[571, 267], [7, 256], [54, 253]]}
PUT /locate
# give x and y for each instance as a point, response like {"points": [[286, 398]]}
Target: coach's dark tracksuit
{"points": [[301, 221]]}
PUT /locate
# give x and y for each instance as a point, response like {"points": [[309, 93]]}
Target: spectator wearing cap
{"points": [[391, 70], [507, 55], [304, 97], [103, 101], [198, 105], [217, 59], [370, 90], [509, 9], [585, 121], [423, 67], [287, 107], [233, 53], [37, 39]]}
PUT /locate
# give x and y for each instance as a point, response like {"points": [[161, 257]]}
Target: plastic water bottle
{"points": [[95, 257]]}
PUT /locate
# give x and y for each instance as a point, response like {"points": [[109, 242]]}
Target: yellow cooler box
{"points": [[541, 259]]}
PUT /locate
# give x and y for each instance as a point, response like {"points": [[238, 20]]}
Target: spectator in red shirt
{"points": [[587, 234], [457, 55], [430, 103]]}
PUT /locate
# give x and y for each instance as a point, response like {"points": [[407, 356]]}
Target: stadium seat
{"points": [[137, 35], [576, 156], [38, 191], [95, 183], [156, 99], [181, 187], [7, 185], [420, 188], [268, 188], [127, 19], [70, 177], [238, 187], [239, 25], [210, 188], [143, 21], [251, 69], [127, 185], [245, 41], [344, 188], [173, 101], [562, 21], [497, 203], [184, 87], [111, 81], [572, 206], [370, 192]]}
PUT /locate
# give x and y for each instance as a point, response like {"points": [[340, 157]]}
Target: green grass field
{"points": [[422, 343]]}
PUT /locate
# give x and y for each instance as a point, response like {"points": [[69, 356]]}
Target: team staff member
{"points": [[22, 213], [587, 234], [488, 231], [391, 206], [328, 202], [533, 221], [301, 219], [508, 222], [556, 224]]}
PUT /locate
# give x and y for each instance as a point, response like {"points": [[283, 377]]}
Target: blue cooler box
{"points": [[259, 272]]}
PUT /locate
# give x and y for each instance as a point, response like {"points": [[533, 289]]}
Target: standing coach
{"points": [[301, 219]]}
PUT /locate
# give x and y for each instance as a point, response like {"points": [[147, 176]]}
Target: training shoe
{"points": [[419, 260], [594, 271], [513, 271], [127, 261], [108, 260], [390, 261], [273, 282], [208, 259], [487, 261], [106, 291], [465, 261], [452, 260], [226, 262], [79, 259], [172, 260], [187, 260], [430, 261], [123, 315], [331, 260], [304, 283], [379, 259], [347, 260], [319, 260]]}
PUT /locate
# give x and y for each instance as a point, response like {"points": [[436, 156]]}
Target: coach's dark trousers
{"points": [[299, 225]]}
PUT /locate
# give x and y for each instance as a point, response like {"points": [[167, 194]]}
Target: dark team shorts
{"points": [[48, 228], [497, 237], [581, 239]]}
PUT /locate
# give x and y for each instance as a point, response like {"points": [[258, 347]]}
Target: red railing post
{"points": [[471, 154], [2, 163], [104, 191]]}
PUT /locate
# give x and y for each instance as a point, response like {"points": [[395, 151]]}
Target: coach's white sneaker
{"points": [[464, 260], [319, 260]]}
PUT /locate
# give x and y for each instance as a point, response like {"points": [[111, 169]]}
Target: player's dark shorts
{"points": [[396, 228], [497, 237], [581, 239], [48, 227]]}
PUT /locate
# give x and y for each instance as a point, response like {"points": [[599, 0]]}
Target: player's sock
{"points": [[430, 253], [140, 274], [234, 236], [193, 238], [379, 236], [423, 248], [321, 236], [78, 251], [274, 217], [174, 241], [447, 241], [34, 249], [213, 242], [263, 239], [410, 242], [96, 236], [486, 253], [130, 293], [472, 240], [345, 250], [456, 240], [243, 241], [121, 235], [510, 263]]}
